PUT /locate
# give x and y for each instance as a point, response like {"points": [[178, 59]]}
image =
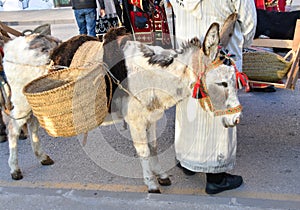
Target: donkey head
{"points": [[216, 80]]}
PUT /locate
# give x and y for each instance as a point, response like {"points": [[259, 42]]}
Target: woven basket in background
{"points": [[265, 66], [71, 101]]}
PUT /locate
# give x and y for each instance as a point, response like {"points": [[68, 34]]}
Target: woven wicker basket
{"points": [[71, 101], [265, 66]]}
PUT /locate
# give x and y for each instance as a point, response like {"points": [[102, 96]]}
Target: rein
{"points": [[6, 91], [49, 65], [117, 82], [21, 64], [7, 112]]}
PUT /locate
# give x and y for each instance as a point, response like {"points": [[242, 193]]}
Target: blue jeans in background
{"points": [[86, 21]]}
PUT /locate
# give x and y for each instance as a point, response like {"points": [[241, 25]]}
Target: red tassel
{"points": [[196, 91], [242, 81]]}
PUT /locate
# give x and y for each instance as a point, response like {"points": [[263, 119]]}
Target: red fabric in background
{"points": [[261, 4], [137, 3], [156, 30]]}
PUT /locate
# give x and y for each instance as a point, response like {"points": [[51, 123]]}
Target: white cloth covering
{"points": [[195, 20]]}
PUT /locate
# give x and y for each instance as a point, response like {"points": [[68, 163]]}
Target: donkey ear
{"points": [[227, 29], [211, 41]]}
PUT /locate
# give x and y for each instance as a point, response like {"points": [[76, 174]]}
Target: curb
{"points": [[93, 199], [38, 17], [39, 22]]}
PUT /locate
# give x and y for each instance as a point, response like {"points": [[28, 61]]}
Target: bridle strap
{"points": [[232, 110]]}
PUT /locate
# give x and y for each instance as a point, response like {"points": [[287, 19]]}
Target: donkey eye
{"points": [[224, 84]]}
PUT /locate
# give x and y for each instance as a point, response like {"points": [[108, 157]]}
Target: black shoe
{"points": [[269, 89], [186, 171], [229, 182]]}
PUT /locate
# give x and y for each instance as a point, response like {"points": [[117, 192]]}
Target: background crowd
{"points": [[142, 16]]}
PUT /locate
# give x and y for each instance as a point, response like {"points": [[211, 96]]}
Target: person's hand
{"points": [[102, 12]]}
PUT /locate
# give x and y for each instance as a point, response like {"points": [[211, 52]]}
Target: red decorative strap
{"points": [[1, 52]]}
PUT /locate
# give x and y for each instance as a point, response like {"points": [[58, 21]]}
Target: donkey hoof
{"points": [[17, 175], [164, 182], [157, 191], [3, 138], [47, 162]]}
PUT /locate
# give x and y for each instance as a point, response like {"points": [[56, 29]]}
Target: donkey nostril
{"points": [[237, 121]]}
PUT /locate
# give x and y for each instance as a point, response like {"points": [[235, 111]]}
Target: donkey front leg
{"points": [[35, 142], [163, 178], [14, 128], [140, 142]]}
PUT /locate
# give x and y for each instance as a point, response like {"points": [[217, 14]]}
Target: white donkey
{"points": [[26, 58], [157, 79]]}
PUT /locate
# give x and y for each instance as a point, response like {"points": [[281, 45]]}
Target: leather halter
{"points": [[200, 91]]}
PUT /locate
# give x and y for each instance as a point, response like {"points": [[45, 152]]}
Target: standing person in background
{"points": [[202, 143], [85, 15], [127, 8]]}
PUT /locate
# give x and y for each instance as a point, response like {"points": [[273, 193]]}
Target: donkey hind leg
{"points": [[140, 142], [35, 142], [162, 177], [14, 128]]}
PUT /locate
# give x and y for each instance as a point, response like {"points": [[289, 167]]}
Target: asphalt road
{"points": [[106, 174], [267, 158]]}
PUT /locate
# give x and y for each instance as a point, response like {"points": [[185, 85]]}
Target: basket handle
{"points": [[291, 52]]}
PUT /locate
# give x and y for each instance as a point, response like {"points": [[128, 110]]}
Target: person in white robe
{"points": [[202, 143]]}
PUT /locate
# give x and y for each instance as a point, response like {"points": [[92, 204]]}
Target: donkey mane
{"points": [[163, 59], [194, 43], [166, 57]]}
